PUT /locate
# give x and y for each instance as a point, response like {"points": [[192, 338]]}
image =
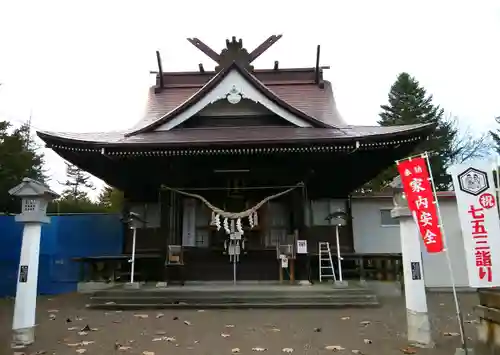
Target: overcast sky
{"points": [[84, 66]]}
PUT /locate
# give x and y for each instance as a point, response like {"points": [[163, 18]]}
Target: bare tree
{"points": [[468, 146]]}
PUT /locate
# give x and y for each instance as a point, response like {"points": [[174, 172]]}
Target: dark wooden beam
{"points": [[160, 69], [276, 65], [264, 46], [205, 49], [317, 76]]}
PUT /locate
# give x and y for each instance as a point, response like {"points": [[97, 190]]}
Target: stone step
{"points": [[230, 296], [179, 292], [242, 301], [207, 300], [248, 305]]}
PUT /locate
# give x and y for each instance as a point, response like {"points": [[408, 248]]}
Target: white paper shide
{"points": [[479, 221]]}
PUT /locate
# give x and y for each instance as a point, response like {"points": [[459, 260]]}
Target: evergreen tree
{"points": [[77, 183], [496, 140], [409, 103], [111, 199], [19, 157]]}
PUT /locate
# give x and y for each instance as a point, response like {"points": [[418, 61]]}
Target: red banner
{"points": [[421, 201]]}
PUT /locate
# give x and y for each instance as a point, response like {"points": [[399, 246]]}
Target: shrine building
{"points": [[239, 160]]}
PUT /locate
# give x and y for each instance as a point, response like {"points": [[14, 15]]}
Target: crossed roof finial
{"points": [[234, 52]]}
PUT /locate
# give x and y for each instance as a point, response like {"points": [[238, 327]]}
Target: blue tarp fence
{"points": [[66, 237]]}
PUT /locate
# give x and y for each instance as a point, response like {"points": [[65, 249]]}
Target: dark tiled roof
{"points": [[165, 116], [295, 87], [196, 136]]}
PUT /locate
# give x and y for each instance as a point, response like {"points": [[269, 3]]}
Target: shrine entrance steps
{"points": [[241, 295]]}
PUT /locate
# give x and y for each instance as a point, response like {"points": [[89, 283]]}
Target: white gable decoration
{"points": [[233, 88]]}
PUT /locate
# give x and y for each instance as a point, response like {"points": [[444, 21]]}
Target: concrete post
{"points": [[419, 330], [35, 198]]}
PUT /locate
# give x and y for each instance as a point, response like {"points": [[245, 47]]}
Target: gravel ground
{"points": [[216, 332]]}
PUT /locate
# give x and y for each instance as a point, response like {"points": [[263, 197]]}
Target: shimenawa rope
{"points": [[251, 213]]}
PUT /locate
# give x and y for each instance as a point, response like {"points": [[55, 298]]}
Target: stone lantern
{"points": [[419, 329], [35, 197]]}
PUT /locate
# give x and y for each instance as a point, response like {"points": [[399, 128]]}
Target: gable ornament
{"points": [[234, 95]]}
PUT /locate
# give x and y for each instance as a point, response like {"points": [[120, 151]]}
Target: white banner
{"points": [[479, 221]]}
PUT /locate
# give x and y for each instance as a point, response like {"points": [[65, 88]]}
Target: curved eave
{"points": [[212, 84], [53, 138], [373, 140]]}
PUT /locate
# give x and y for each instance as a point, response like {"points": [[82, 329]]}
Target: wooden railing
{"points": [[380, 267], [150, 266], [117, 267]]}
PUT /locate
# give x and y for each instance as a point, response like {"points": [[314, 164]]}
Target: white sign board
{"points": [[477, 209], [284, 261], [301, 246]]}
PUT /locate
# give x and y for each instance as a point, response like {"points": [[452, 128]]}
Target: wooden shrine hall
{"points": [[238, 162]]}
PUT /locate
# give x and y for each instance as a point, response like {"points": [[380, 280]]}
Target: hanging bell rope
{"points": [[234, 215]]}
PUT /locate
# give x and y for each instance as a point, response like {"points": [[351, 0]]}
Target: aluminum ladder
{"points": [[326, 269]]}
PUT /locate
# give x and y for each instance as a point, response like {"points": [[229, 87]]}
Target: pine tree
{"points": [[409, 103], [111, 199], [77, 183], [496, 140], [19, 157]]}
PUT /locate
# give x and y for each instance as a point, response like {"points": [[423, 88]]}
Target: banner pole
{"points": [[448, 259], [497, 186]]}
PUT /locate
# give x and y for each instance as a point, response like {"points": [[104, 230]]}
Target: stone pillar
{"points": [[419, 330], [35, 198]]}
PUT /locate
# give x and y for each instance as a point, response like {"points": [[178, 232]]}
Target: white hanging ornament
{"points": [[226, 226], [212, 220], [217, 222], [250, 220], [255, 218], [239, 227], [233, 225]]}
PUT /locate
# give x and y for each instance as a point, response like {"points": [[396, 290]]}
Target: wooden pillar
{"points": [[126, 230], [280, 271], [301, 266], [349, 227], [298, 211]]}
